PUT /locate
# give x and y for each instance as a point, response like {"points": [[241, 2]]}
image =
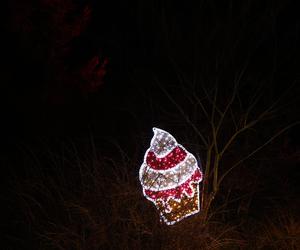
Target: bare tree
{"points": [[224, 125]]}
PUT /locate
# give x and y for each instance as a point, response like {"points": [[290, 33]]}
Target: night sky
{"points": [[141, 42], [75, 70]]}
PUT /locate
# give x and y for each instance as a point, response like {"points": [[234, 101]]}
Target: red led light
{"points": [[176, 193], [176, 156]]}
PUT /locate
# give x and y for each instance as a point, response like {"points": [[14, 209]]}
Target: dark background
{"points": [[47, 100], [141, 41]]}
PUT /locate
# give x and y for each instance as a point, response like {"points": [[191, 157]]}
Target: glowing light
{"points": [[170, 177]]}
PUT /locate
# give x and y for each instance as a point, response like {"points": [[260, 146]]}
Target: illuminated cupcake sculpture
{"points": [[170, 177]]}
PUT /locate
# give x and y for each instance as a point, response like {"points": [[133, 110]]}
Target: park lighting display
{"points": [[170, 178]]}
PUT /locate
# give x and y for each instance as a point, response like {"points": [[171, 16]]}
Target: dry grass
{"points": [[280, 231], [93, 202]]}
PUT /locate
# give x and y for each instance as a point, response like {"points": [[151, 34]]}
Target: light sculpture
{"points": [[170, 178]]}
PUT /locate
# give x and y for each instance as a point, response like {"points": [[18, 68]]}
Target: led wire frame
{"points": [[161, 177]]}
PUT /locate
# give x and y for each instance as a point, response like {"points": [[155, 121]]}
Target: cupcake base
{"points": [[180, 209]]}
